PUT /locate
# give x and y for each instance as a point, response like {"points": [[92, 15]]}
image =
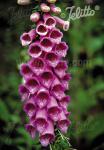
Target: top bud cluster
{"points": [[45, 76]]}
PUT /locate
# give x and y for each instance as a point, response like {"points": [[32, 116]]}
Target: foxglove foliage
{"points": [[45, 76]]}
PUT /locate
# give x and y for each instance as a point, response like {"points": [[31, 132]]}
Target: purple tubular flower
{"points": [[53, 109], [24, 92], [61, 68], [50, 22], [30, 107], [32, 85], [61, 49], [31, 129], [37, 65], [25, 71], [46, 44], [35, 50], [41, 120], [47, 78], [52, 59], [48, 135], [27, 38], [45, 75], [65, 101], [57, 90], [41, 29], [56, 35], [42, 97], [66, 113], [63, 122], [61, 23], [65, 80]]}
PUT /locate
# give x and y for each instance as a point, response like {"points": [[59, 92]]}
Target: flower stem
{"points": [[50, 147]]}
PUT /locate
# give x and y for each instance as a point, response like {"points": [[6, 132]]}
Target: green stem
{"points": [[64, 138], [50, 147]]}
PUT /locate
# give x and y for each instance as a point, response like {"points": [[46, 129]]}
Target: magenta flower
{"points": [[45, 77], [46, 44], [63, 122], [48, 135], [41, 120], [30, 107], [58, 91], [61, 23], [37, 65], [24, 92], [65, 101], [61, 49], [49, 21], [32, 85], [52, 59], [53, 109], [56, 35], [35, 50], [61, 68], [42, 97], [65, 80], [31, 129], [25, 71], [27, 38], [41, 29]]}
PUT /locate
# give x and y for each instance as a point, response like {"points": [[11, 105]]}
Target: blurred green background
{"points": [[86, 59]]}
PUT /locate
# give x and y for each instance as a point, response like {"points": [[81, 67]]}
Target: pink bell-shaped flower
{"points": [[27, 38], [30, 107], [49, 21], [52, 59], [48, 135], [41, 29], [63, 24], [63, 122], [56, 35], [46, 44], [25, 71], [35, 50], [42, 97], [37, 65], [61, 49], [53, 109], [31, 129], [24, 92], [32, 85], [41, 122], [47, 78], [61, 68]]}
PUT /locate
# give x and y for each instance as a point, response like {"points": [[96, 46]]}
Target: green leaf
{"points": [[4, 111]]}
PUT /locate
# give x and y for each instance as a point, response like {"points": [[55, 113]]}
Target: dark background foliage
{"points": [[86, 40]]}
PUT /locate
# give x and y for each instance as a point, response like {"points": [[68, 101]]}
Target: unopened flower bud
{"points": [[51, 1], [23, 2], [35, 17], [56, 10], [45, 8]]}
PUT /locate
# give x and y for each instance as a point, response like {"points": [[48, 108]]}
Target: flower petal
{"points": [[35, 50], [48, 135], [46, 44]]}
